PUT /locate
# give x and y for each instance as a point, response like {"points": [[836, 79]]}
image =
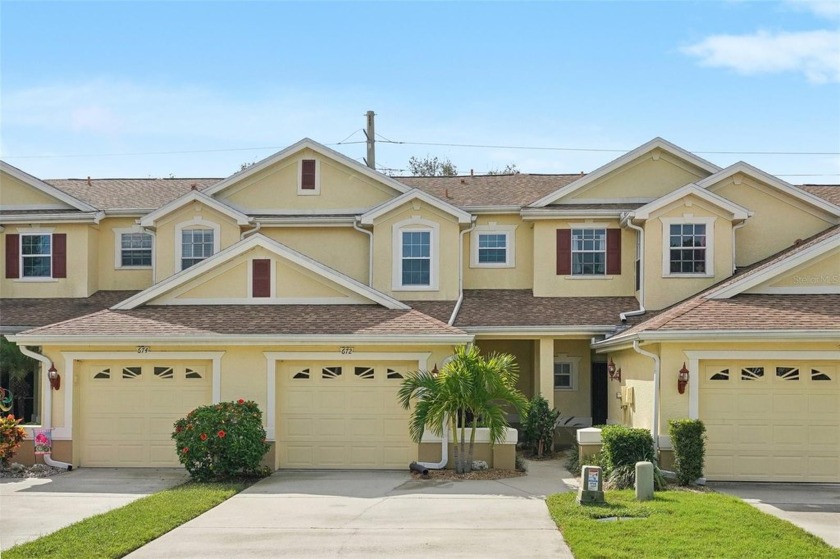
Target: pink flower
{"points": [[221, 434], [240, 401], [185, 450], [203, 436]]}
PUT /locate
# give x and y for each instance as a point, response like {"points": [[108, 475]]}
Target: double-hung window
{"points": [[196, 245], [589, 252], [492, 248], [687, 248], [135, 250], [416, 258], [36, 255]]}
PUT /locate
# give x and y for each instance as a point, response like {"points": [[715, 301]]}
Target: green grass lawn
{"points": [[679, 524], [119, 532]]}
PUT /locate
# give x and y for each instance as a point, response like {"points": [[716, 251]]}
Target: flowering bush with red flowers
{"points": [[222, 441], [11, 437]]}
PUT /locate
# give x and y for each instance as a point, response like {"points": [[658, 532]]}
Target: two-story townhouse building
{"points": [[312, 284]]}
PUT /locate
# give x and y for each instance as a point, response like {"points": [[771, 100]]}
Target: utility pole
{"points": [[370, 161]]}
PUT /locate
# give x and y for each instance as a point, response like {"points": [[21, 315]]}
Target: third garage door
{"points": [[339, 415]]}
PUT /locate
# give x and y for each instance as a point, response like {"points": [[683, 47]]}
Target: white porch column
{"points": [[546, 368]]}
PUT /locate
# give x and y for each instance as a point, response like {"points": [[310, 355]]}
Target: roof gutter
{"points": [[240, 339], [461, 273], [46, 422], [626, 219]]}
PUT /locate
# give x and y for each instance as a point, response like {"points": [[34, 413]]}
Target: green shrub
{"points": [[539, 426], [688, 437], [574, 462], [622, 448], [11, 437], [221, 441]]}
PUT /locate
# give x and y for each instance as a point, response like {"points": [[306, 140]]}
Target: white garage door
{"points": [[128, 409], [771, 420], [335, 415]]}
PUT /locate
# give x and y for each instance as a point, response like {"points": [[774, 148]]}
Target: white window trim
{"points": [[118, 233], [574, 362], [21, 231], [195, 223], [599, 226], [415, 224], [509, 231], [317, 190], [687, 219], [273, 285]]}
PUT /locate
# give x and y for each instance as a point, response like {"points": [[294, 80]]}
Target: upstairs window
{"points": [[493, 246], [687, 245], [135, 250], [589, 252], [36, 255], [196, 245], [416, 258]]}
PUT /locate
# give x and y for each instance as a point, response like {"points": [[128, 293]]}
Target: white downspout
{"points": [[444, 451], [460, 274], [250, 232], [47, 412], [735, 228], [370, 250], [656, 374], [623, 316]]}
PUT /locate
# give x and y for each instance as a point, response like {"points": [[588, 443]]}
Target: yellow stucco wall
{"points": [[662, 290], [447, 251], [341, 248], [576, 402], [824, 271], [648, 177], [548, 284], [111, 277], [275, 188], [636, 373], [166, 238], [518, 277], [14, 192], [79, 281], [778, 220]]}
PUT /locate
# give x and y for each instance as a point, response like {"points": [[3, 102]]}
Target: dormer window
{"points": [[415, 255], [688, 251], [196, 245], [309, 177]]}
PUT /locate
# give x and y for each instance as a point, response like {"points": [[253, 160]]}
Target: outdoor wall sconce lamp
{"points": [[682, 379], [54, 377], [611, 370]]}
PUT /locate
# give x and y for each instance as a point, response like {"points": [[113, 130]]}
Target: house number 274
{"points": [[346, 350]]}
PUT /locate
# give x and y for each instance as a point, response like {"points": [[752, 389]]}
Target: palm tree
{"points": [[470, 389]]}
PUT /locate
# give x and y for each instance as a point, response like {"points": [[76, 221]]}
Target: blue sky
{"points": [[196, 86]]}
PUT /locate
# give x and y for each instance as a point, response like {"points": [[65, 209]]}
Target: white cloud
{"points": [[816, 54], [829, 9]]}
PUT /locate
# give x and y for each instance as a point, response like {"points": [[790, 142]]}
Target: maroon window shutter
{"points": [[12, 255], [613, 251], [307, 175], [59, 255], [261, 278], [564, 252]]}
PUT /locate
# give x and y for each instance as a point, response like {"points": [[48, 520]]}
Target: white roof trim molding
{"points": [[194, 196], [775, 182], [777, 269], [656, 143], [415, 194], [47, 189], [281, 250], [738, 212], [299, 146]]}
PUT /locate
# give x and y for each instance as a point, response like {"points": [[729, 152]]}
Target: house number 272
{"points": [[142, 349], [346, 350]]}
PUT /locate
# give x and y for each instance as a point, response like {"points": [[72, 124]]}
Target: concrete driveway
{"points": [[33, 507], [814, 508], [353, 514]]}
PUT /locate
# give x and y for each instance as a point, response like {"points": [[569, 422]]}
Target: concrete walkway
{"points": [[33, 507], [362, 514], [813, 507]]}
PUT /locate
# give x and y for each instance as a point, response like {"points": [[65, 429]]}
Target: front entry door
{"points": [[599, 393]]}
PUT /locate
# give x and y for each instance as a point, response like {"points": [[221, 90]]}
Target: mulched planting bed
{"points": [[476, 474], [16, 470]]}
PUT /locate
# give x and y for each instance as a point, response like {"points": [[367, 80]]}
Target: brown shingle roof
{"points": [[220, 320], [18, 314], [112, 194], [490, 190], [828, 192], [519, 308]]}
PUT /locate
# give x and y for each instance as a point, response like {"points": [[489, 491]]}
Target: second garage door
{"points": [[335, 415], [128, 410], [771, 420]]}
